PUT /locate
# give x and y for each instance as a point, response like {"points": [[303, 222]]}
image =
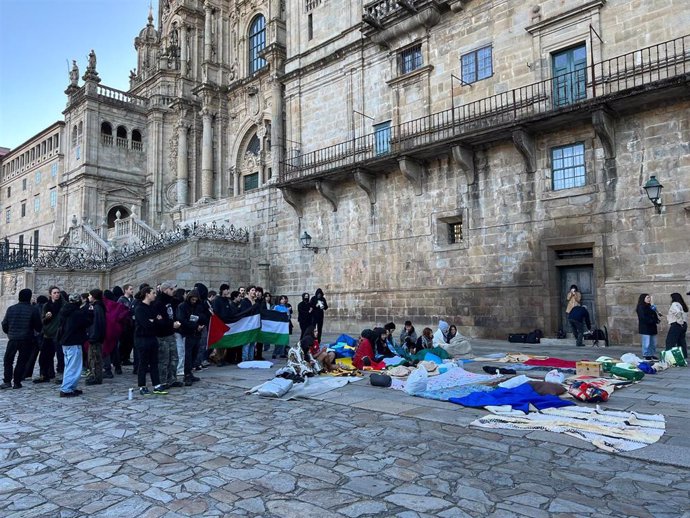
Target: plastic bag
{"points": [[553, 376], [631, 358], [417, 381]]}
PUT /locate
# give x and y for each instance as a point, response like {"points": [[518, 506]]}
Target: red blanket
{"points": [[552, 362]]}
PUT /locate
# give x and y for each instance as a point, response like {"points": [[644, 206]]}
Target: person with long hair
{"points": [[147, 320], [647, 319], [677, 318]]}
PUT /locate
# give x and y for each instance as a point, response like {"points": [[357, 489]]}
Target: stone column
{"points": [[182, 170], [235, 182], [207, 31], [184, 51], [207, 155], [276, 126]]}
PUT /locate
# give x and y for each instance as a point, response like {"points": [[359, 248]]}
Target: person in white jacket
{"points": [[677, 317]]}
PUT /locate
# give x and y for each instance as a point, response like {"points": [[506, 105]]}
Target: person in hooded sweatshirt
{"points": [[206, 309], [20, 322], [190, 315], [166, 306], [96, 336], [304, 314], [74, 322], [318, 305]]}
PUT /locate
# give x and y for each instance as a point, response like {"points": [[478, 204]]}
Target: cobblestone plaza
{"points": [[357, 451]]}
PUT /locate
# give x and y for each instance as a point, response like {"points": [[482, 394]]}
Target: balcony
{"points": [[623, 84]]}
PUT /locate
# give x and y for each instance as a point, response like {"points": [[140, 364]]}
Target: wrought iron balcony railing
{"points": [[628, 73]]}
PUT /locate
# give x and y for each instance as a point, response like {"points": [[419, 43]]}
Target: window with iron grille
{"points": [[9, 192], [568, 166], [477, 65], [23, 209], [455, 232], [257, 42], [24, 184], [410, 59], [8, 215], [251, 182], [53, 197]]}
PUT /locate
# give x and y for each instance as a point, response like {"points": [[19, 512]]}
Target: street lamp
{"points": [[653, 189], [306, 242]]}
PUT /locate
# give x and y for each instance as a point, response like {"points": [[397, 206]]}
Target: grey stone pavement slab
{"points": [[212, 450]]}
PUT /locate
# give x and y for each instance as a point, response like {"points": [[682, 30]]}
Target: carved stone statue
{"points": [[91, 74], [92, 61], [74, 74]]}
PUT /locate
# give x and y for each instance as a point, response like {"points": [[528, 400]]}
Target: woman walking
{"points": [[678, 324], [647, 319]]}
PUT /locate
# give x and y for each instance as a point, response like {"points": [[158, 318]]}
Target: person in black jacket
{"points": [[166, 307], [20, 322], [190, 314], [304, 314], [146, 323], [318, 305], [96, 335], [579, 318], [74, 321], [648, 319], [49, 350]]}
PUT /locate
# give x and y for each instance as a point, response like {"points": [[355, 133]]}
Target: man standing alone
{"points": [[579, 318], [49, 350], [20, 323]]}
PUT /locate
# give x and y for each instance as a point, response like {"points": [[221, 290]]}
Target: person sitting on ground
{"points": [[299, 359], [408, 336], [322, 355], [364, 354], [441, 334], [426, 341], [458, 345]]}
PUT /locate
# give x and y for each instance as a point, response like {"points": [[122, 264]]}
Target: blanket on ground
{"points": [[609, 430], [552, 362], [317, 386], [445, 394], [455, 377], [520, 398]]}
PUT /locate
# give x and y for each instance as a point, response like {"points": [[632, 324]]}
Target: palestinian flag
{"points": [[254, 325], [275, 327]]}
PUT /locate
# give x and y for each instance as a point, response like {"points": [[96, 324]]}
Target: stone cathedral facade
{"points": [[456, 159]]}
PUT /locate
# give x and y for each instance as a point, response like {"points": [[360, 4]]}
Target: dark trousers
{"points": [[23, 347], [126, 345], [578, 330], [147, 356], [46, 358], [112, 359], [60, 355], [96, 361], [676, 338], [191, 351], [33, 357], [318, 324]]}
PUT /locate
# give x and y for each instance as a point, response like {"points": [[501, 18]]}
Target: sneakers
{"points": [[17, 386], [9, 385], [69, 394], [144, 391], [108, 375], [188, 383], [159, 390], [195, 378], [41, 379], [85, 373], [205, 364], [91, 381], [177, 384]]}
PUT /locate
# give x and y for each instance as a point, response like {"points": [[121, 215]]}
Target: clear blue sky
{"points": [[38, 37]]}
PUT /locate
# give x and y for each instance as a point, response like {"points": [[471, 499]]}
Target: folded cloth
{"points": [[514, 381], [255, 364], [395, 360], [520, 398], [546, 387], [431, 367], [552, 362], [489, 369]]}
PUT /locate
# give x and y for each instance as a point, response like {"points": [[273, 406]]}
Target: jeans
{"points": [[96, 361], [579, 331], [191, 351], [147, 355], [648, 345], [167, 359], [278, 350], [181, 353], [72, 373], [23, 347], [204, 351], [248, 352], [676, 338]]}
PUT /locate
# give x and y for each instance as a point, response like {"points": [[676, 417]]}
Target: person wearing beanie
{"points": [[21, 321], [73, 322], [96, 335]]}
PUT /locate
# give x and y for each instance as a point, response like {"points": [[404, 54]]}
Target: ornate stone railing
{"points": [[113, 94]]}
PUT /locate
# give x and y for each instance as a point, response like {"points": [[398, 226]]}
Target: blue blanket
{"points": [[519, 398], [453, 392]]}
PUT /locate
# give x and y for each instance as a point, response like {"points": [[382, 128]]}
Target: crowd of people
{"points": [[160, 331]]}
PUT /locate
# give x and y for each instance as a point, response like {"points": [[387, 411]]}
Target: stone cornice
{"points": [[540, 26]]}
